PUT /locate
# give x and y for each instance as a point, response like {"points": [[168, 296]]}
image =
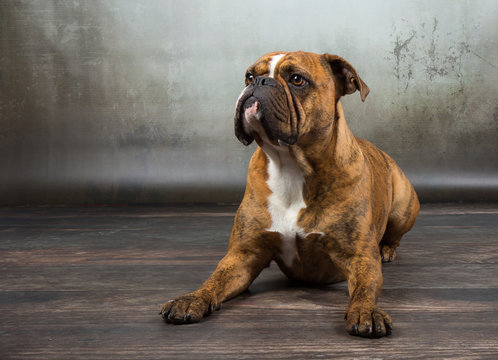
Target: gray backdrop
{"points": [[132, 101]]}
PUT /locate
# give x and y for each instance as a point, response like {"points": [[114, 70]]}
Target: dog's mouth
{"points": [[254, 122], [262, 114]]}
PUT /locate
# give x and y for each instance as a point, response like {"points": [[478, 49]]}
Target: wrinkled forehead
{"points": [[268, 63]]}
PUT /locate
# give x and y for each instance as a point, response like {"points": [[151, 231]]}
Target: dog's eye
{"points": [[249, 78], [297, 80]]}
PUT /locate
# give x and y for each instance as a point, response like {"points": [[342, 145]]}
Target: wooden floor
{"points": [[87, 283]]}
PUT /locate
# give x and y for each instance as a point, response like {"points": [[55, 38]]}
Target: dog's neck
{"points": [[335, 160], [336, 154]]}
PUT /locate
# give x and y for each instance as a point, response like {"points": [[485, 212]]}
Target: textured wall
{"points": [[132, 101]]}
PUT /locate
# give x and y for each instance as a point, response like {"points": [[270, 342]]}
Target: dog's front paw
{"points": [[368, 321], [186, 309]]}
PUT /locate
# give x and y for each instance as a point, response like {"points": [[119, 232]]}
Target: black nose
{"points": [[265, 81]]}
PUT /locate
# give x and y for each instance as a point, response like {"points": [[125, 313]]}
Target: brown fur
{"points": [[358, 203]]}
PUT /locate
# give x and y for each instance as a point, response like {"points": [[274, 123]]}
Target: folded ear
{"points": [[346, 78]]}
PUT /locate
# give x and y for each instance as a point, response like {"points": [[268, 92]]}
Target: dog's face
{"points": [[289, 96]]}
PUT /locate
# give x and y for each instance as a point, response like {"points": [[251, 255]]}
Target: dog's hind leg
{"points": [[404, 211]]}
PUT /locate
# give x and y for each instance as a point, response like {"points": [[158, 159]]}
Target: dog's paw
{"points": [[187, 309], [387, 254], [371, 322]]}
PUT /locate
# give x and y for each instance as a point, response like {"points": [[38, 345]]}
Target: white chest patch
{"points": [[285, 180]]}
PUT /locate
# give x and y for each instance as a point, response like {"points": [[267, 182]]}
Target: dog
{"points": [[324, 205]]}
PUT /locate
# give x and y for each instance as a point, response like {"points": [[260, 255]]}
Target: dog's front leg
{"points": [[234, 273], [363, 317]]}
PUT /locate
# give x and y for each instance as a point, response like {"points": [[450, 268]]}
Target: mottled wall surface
{"points": [[132, 101]]}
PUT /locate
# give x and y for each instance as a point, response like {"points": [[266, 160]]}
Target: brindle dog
{"points": [[325, 205]]}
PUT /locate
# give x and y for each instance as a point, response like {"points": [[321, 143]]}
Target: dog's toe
{"points": [[371, 322], [387, 254]]}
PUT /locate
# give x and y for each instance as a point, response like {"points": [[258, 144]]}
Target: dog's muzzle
{"points": [[263, 109]]}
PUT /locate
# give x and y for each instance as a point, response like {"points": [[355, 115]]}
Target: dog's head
{"points": [[291, 95]]}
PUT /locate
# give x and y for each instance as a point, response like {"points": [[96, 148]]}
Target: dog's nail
{"points": [[218, 307], [186, 317], [282, 143], [369, 330]]}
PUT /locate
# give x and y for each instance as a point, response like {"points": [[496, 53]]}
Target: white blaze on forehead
{"points": [[273, 63]]}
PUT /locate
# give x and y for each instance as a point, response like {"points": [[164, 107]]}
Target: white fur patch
{"points": [[273, 63], [285, 180]]}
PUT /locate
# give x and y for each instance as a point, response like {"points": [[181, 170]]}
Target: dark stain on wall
{"points": [[421, 49], [401, 51]]}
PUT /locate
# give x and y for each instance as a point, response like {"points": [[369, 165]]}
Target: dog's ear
{"points": [[346, 78]]}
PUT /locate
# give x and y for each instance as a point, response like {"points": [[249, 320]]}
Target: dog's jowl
{"points": [[323, 204]]}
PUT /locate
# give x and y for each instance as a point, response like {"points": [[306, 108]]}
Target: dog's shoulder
{"points": [[375, 156]]}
